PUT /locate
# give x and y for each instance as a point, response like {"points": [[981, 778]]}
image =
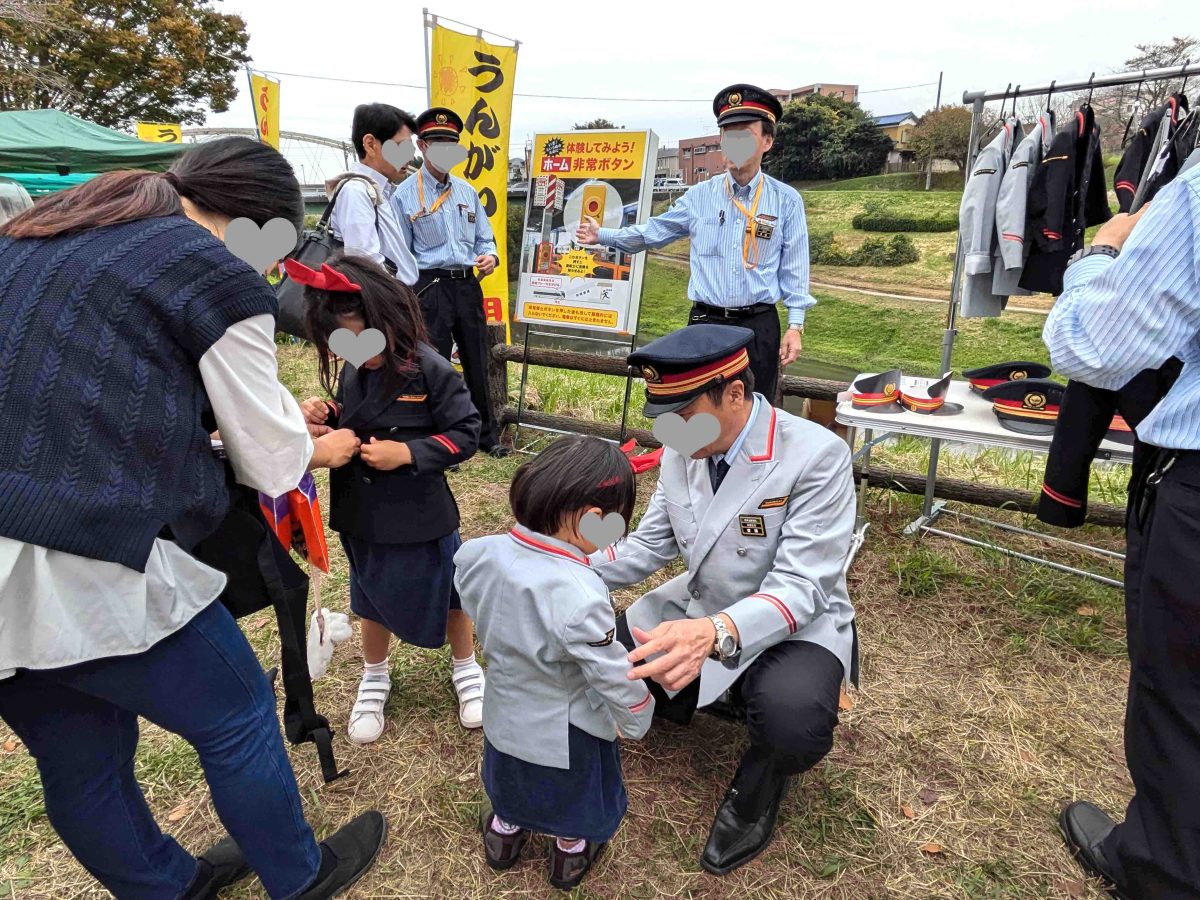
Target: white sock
{"points": [[376, 671], [573, 847], [503, 827], [468, 662]]}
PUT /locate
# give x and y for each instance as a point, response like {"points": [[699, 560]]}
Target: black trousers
{"points": [[763, 350], [1156, 850], [790, 699], [453, 310]]}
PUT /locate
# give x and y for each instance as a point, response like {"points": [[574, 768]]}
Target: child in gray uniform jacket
{"points": [[558, 693]]}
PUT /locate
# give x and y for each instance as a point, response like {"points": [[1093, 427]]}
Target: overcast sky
{"points": [[676, 51]]}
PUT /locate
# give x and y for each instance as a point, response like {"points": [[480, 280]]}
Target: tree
{"points": [[596, 124], [826, 137], [943, 134], [115, 62]]}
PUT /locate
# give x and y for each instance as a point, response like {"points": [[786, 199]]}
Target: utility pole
{"points": [[937, 106]]}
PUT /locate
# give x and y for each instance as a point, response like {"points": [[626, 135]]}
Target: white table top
{"points": [[976, 424]]}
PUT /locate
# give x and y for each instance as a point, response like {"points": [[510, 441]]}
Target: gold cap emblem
{"points": [[1018, 375], [441, 118], [735, 99], [889, 388], [651, 374], [1035, 401]]}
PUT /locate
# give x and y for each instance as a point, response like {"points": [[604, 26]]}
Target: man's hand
{"points": [[789, 350], [486, 264], [588, 231], [334, 449], [1116, 230], [386, 455], [684, 643], [315, 410]]}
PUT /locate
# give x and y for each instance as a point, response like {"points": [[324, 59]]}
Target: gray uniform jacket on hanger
{"points": [[769, 548], [1010, 208], [977, 222], [548, 632]]}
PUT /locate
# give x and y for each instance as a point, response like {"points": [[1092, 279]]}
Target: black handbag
{"points": [[316, 247]]}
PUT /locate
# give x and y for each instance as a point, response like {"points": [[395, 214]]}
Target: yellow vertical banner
{"points": [[475, 78], [160, 132], [265, 93]]}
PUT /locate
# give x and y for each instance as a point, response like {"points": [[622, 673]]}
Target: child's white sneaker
{"points": [[366, 718], [468, 684]]}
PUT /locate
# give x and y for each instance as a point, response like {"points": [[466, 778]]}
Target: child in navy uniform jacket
{"points": [[392, 507], [559, 693]]}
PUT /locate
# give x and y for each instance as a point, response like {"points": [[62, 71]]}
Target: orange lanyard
{"points": [[421, 198], [749, 244]]}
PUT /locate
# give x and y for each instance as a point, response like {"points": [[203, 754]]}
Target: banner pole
{"points": [[427, 32], [253, 103]]}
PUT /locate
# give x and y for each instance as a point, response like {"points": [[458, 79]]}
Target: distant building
{"points": [[848, 92], [899, 127], [517, 170], [700, 158], [668, 163]]}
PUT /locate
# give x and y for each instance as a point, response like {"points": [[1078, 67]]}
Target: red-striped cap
{"points": [[680, 366]]}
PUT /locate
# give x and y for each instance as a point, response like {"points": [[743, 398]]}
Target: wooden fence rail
{"points": [[792, 386]]}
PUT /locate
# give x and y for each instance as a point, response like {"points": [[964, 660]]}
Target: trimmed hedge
{"points": [[891, 222], [899, 250]]}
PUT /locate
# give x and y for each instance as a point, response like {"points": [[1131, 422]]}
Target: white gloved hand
{"points": [[327, 629]]}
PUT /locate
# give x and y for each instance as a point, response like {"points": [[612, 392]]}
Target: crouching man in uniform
{"points": [[761, 621]]}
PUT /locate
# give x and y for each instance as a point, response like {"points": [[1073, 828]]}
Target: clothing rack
{"points": [[977, 99]]}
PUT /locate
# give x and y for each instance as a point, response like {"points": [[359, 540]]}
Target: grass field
{"points": [[991, 694]]}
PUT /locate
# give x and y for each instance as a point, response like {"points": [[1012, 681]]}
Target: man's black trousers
{"points": [[763, 350], [1156, 850], [453, 310], [790, 698]]}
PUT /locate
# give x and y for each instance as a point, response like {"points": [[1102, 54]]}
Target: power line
{"points": [[422, 87]]}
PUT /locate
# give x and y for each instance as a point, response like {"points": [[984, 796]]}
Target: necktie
{"points": [[716, 474]]}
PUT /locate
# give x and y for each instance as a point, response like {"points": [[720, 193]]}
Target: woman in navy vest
{"points": [[127, 330]]}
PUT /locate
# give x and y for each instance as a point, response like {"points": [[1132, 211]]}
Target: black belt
{"points": [[735, 312], [453, 274]]}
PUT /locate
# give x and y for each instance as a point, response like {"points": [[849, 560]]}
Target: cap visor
{"points": [[655, 408], [735, 118], [1028, 427]]}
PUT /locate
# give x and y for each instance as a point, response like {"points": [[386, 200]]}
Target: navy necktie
{"points": [[716, 474]]}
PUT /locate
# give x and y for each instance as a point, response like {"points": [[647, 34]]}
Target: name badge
{"points": [[764, 226], [471, 218]]}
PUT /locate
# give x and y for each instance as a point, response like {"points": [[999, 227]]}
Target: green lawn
{"points": [[901, 181]]}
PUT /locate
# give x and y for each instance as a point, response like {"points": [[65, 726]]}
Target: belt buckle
{"points": [[727, 312]]}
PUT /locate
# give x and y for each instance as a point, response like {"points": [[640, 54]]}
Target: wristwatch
{"points": [[796, 327], [1100, 249], [725, 646]]}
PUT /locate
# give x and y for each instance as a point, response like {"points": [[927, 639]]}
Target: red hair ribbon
{"points": [[328, 279]]}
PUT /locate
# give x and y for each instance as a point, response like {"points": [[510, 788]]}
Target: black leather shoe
{"points": [[1085, 826], [354, 848], [502, 850], [568, 869], [735, 838], [220, 866]]}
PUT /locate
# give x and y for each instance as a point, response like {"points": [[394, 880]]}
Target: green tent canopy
{"points": [[50, 141], [39, 184]]}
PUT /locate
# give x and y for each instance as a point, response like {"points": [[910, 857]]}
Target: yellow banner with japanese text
{"points": [[266, 108], [475, 78], [590, 154], [160, 132]]}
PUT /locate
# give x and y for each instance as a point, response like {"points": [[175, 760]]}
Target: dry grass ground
{"points": [[991, 694]]}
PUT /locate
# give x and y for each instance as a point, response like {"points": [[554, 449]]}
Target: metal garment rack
{"points": [[930, 512]]}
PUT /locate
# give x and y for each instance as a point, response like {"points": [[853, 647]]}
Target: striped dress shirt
{"points": [[719, 277], [453, 236], [371, 230], [1118, 317]]}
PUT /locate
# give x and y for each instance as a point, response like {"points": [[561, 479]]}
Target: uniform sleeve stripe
{"points": [[612, 554], [641, 704], [1009, 236], [1061, 498], [783, 610], [447, 443]]}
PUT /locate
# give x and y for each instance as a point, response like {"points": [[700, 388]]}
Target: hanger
{"points": [[1091, 89], [1133, 110]]}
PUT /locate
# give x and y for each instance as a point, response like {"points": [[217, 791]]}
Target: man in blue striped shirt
{"points": [[749, 238], [1130, 305], [447, 229]]}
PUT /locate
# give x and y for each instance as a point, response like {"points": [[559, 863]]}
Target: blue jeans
{"points": [[203, 683]]}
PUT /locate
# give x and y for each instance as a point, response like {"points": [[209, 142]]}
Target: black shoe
{"points": [[568, 869], [737, 837], [502, 850], [354, 848], [220, 866], [1085, 827], [499, 451]]}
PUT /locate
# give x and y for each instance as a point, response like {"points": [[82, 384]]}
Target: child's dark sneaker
{"points": [[568, 869], [502, 850]]}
